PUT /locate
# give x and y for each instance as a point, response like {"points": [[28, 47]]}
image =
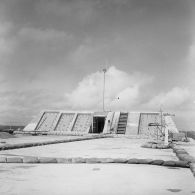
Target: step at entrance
{"points": [[122, 123]]}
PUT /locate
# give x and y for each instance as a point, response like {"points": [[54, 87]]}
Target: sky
{"points": [[52, 53]]}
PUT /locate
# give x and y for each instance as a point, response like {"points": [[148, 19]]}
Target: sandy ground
{"points": [[123, 147], [96, 179]]}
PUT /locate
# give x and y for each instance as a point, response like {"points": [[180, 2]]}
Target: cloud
{"points": [[5, 42], [43, 35], [121, 90], [172, 99]]}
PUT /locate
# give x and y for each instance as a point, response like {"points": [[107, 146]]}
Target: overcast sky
{"points": [[52, 53]]}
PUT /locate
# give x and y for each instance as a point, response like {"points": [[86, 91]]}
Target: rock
{"points": [[29, 159], [133, 161], [147, 145], [181, 151], [64, 160], [78, 160], [157, 162], [154, 146], [14, 160], [120, 160], [169, 163], [47, 160], [2, 159], [183, 157], [93, 160], [183, 164], [186, 157], [107, 160], [144, 161]]}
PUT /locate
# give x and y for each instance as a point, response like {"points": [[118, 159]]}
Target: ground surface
{"points": [[20, 139], [96, 179], [121, 147]]}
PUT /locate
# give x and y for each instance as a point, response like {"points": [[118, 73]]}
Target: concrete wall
{"points": [[63, 122], [132, 123]]}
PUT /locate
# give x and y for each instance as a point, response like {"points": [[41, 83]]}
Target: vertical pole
{"points": [[166, 141], [104, 71]]}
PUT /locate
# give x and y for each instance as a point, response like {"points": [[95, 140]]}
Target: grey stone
{"points": [[64, 160], [78, 160], [29, 159], [2, 159], [147, 145], [133, 161], [154, 146], [181, 151], [145, 161], [183, 164], [47, 160], [120, 160], [93, 160], [107, 160], [182, 157], [169, 163], [14, 160], [186, 157], [157, 162]]}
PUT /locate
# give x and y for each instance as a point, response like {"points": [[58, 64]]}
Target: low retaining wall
{"points": [[30, 159], [184, 156]]}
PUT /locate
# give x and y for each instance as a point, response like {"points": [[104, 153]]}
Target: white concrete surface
{"points": [[20, 139], [96, 179], [121, 147]]}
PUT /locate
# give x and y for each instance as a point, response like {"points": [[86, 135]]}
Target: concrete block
{"points": [[186, 157], [29, 159], [157, 162], [154, 146], [47, 160], [169, 163], [78, 160], [182, 157], [120, 160], [2, 159], [133, 161], [147, 145], [181, 151], [64, 160], [145, 161], [107, 160], [93, 160], [14, 159], [183, 164]]}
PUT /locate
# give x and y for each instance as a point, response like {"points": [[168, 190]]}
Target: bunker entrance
{"points": [[98, 124]]}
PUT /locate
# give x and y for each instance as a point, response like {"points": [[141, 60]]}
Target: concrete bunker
{"points": [[80, 122], [98, 124]]}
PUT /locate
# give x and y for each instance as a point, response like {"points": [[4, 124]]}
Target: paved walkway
{"points": [[96, 179], [121, 147]]}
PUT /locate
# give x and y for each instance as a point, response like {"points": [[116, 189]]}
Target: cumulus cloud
{"points": [[5, 43], [43, 35], [172, 99], [122, 90]]}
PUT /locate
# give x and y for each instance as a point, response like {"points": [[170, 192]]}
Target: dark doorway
{"points": [[98, 124]]}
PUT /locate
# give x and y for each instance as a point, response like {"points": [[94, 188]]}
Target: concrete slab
{"points": [[96, 179], [121, 147], [20, 139]]}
